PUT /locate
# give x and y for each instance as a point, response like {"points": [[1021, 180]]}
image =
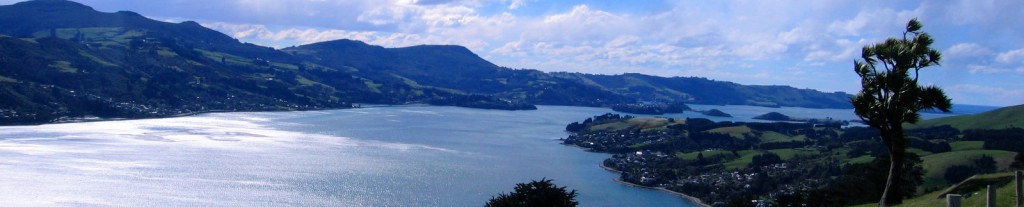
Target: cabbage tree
{"points": [[891, 95]]}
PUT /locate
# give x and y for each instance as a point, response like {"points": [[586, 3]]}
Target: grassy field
{"points": [[935, 165], [747, 156], [734, 131], [634, 123], [919, 152], [228, 58], [770, 136], [710, 153], [861, 159], [64, 66], [787, 154], [967, 145], [1004, 196], [96, 59]]}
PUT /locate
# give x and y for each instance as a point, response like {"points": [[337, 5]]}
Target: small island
{"points": [[715, 113], [776, 116]]}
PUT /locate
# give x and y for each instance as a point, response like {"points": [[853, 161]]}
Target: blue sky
{"points": [[805, 44]]}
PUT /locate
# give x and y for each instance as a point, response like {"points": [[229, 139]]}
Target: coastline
{"points": [[187, 114], [102, 119], [687, 197]]}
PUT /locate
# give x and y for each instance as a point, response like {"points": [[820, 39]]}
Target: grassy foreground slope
{"points": [[935, 165], [973, 197], [1007, 117]]}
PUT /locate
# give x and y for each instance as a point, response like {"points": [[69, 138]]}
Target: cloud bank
{"points": [[807, 44]]}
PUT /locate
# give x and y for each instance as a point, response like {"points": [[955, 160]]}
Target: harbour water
{"points": [[375, 156]]}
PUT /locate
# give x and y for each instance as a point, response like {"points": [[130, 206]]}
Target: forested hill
{"points": [[452, 68], [457, 68], [61, 59], [705, 91]]}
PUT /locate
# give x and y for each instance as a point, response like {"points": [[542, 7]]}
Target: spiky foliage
{"points": [[541, 193], [891, 96]]}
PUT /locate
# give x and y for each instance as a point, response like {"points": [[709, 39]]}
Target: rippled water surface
{"points": [[382, 156]]}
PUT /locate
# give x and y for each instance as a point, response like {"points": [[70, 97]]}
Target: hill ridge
{"points": [[123, 64]]}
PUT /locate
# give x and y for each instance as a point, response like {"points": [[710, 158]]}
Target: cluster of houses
{"points": [[10, 114], [615, 141], [649, 158], [648, 168]]}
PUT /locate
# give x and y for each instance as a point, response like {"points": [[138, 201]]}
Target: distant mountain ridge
{"points": [[30, 18], [705, 91], [452, 68], [61, 59]]}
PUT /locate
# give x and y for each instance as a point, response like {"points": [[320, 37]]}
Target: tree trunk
{"points": [[890, 196], [897, 153]]}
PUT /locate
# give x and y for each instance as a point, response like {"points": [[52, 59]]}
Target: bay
{"points": [[377, 156]]}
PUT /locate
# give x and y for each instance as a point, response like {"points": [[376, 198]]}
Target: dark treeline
{"points": [[1011, 139]]}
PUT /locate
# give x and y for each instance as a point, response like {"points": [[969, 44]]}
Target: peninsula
{"points": [[734, 163]]}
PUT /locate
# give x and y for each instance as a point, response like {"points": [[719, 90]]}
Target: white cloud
{"points": [[760, 50], [854, 26], [980, 60], [980, 94], [516, 4], [386, 15], [1013, 56], [448, 16], [665, 43], [988, 69], [769, 42], [982, 12], [873, 21], [621, 41], [421, 15], [581, 24], [967, 50], [306, 36], [840, 50]]}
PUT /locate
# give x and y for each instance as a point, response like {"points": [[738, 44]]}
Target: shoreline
{"points": [[692, 199], [319, 109], [683, 195], [188, 114]]}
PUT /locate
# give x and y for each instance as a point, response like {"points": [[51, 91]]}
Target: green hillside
{"points": [[705, 91], [935, 165], [792, 163], [1007, 117], [974, 188], [61, 59], [452, 68]]}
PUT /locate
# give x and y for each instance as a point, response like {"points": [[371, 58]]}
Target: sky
{"points": [[804, 44]]}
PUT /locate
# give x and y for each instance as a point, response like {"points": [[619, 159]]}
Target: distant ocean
{"points": [[961, 109]]}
